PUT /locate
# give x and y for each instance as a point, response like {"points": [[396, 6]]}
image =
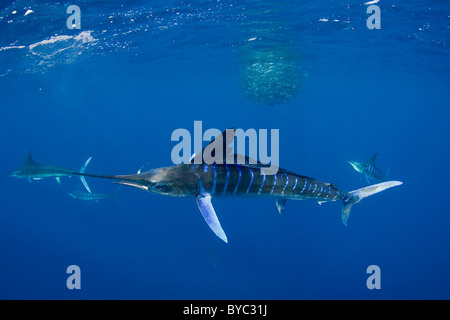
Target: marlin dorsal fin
{"points": [[28, 159], [372, 159], [218, 142]]}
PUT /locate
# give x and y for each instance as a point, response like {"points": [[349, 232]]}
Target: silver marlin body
{"points": [[205, 181]]}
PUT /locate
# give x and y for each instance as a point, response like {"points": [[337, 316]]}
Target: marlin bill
{"points": [[32, 170], [204, 181]]}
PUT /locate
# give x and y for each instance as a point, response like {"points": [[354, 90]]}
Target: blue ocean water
{"points": [[118, 87]]}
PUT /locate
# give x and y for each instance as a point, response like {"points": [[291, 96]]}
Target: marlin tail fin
{"points": [[357, 195], [82, 170]]}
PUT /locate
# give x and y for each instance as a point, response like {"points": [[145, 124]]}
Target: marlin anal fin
{"points": [[281, 203], [82, 170], [58, 179], [208, 213]]}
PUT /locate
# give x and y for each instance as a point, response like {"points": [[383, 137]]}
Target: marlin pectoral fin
{"points": [[367, 178], [58, 179], [208, 213], [281, 205], [29, 179]]}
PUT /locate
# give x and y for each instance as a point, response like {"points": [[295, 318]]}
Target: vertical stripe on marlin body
{"points": [[204, 180]]}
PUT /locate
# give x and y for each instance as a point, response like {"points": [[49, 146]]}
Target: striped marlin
{"points": [[32, 170], [370, 170], [205, 181]]}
